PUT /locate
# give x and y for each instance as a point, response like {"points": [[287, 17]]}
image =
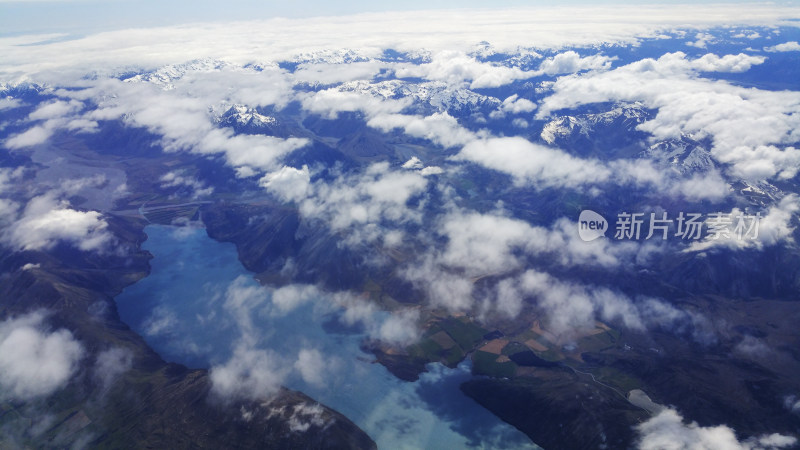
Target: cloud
{"points": [[9, 178], [355, 201], [327, 73], [32, 136], [54, 115], [513, 105], [792, 403], [8, 211], [571, 306], [35, 362], [311, 366], [456, 68], [178, 104], [189, 126], [546, 167], [667, 430], [728, 63], [533, 163], [282, 39], [9, 103], [177, 179], [330, 102], [288, 183], [45, 221], [740, 230], [481, 245], [301, 417], [702, 40], [792, 46], [55, 110], [400, 328], [747, 126], [439, 128], [288, 298], [249, 374], [753, 347], [431, 170], [705, 185], [111, 364], [571, 62], [397, 328], [314, 367], [442, 288], [746, 34]]}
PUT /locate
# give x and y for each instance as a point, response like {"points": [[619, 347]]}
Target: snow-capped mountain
{"points": [[435, 95], [685, 154], [627, 116], [164, 77]]}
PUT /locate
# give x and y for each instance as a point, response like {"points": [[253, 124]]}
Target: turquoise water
{"points": [[182, 311]]}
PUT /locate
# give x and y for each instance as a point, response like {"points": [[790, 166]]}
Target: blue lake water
{"points": [[181, 311]]}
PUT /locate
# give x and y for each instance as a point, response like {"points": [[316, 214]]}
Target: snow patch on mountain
{"points": [[166, 76], [684, 154], [436, 94], [563, 127]]}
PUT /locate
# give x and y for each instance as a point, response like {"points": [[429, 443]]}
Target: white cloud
{"points": [[315, 368], [702, 40], [302, 416], [533, 163], [35, 362], [9, 103], [742, 231], [667, 431], [111, 364], [287, 298], [45, 221], [8, 211], [702, 186], [439, 128], [183, 114], [513, 105], [431, 170], [52, 116], [311, 366], [9, 178], [32, 136], [400, 328], [249, 374], [456, 68], [326, 73], [480, 245], [178, 179], [370, 197], [791, 46], [161, 321], [442, 288], [281, 39], [330, 102], [288, 183], [747, 34], [792, 403], [413, 163], [746, 125], [55, 109], [571, 62]]}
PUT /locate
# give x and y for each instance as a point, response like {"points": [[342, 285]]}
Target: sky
{"points": [[88, 16]]}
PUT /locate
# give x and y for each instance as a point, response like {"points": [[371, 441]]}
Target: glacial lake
{"points": [[180, 311]]}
